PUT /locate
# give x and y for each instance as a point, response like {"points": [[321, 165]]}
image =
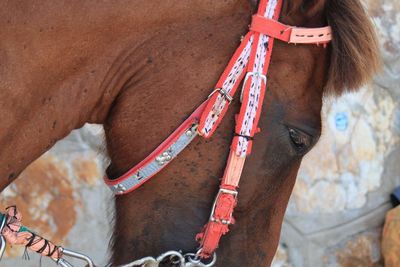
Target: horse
{"points": [[139, 68]]}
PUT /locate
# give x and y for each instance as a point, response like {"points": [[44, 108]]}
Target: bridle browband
{"points": [[249, 65]]}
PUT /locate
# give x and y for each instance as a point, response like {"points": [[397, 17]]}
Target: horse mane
{"points": [[354, 50]]}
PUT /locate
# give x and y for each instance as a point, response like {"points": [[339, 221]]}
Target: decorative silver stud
{"points": [[119, 188], [164, 157], [192, 130], [189, 133]]}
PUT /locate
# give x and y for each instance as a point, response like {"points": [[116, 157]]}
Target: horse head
{"points": [[167, 212]]}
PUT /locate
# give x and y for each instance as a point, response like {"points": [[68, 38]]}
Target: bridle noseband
{"points": [[249, 64]]}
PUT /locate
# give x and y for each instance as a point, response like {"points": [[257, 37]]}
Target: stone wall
{"points": [[337, 209], [62, 197]]}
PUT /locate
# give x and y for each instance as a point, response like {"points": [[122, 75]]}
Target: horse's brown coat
{"points": [[140, 67]]}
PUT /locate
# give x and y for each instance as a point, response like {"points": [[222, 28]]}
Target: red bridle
{"points": [[249, 63]]}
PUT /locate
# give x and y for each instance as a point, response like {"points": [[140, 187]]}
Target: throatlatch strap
{"points": [[159, 158], [253, 93]]}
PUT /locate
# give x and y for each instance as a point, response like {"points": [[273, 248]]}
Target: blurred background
{"points": [[337, 210]]}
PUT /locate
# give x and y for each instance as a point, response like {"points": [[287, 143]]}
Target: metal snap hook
{"points": [[64, 263]]}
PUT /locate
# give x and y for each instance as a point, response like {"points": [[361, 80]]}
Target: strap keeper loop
{"points": [[248, 138]]}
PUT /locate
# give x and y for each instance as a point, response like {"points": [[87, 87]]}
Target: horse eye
{"points": [[300, 140]]}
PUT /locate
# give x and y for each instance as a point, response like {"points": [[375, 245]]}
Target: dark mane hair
{"points": [[355, 56]]}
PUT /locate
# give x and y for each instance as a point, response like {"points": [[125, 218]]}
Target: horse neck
{"points": [[72, 61], [52, 76]]}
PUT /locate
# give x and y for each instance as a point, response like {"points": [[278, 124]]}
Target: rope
{"points": [[16, 234]]}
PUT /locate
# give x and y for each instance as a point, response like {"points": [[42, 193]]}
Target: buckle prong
{"points": [[224, 93]]}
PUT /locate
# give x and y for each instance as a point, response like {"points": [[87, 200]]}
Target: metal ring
{"points": [[193, 258], [175, 259], [211, 263], [169, 254]]}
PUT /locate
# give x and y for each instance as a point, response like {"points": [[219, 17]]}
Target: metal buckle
{"points": [[224, 93], [222, 191], [248, 74]]}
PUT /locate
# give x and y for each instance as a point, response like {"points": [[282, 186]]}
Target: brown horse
{"points": [[140, 67]]}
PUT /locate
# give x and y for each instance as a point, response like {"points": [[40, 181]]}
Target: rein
{"points": [[249, 65]]}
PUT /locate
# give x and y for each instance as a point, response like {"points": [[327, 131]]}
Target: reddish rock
{"points": [[391, 239], [360, 251], [44, 196]]}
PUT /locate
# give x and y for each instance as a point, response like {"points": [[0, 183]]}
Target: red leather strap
{"points": [[220, 219], [291, 34], [222, 211], [271, 28], [211, 106], [128, 177]]}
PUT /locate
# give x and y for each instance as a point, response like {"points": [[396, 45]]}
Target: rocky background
{"points": [[337, 209], [62, 197]]}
